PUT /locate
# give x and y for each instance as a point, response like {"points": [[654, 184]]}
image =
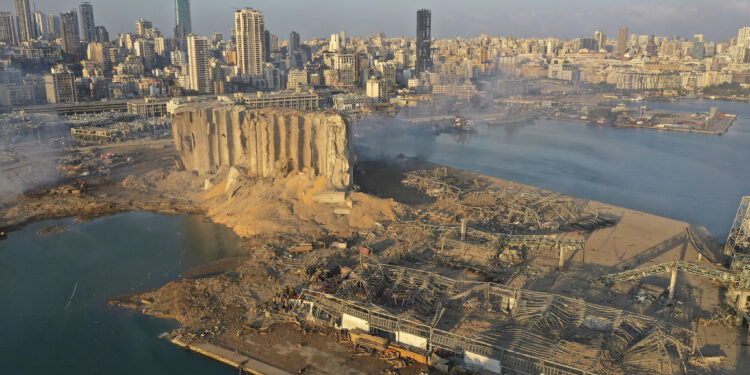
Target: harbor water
{"points": [[696, 178], [54, 289]]}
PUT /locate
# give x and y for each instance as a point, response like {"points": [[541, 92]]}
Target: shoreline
{"points": [[722, 131]]}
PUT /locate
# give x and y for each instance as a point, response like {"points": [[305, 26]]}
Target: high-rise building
{"points": [[267, 44], [142, 25], [40, 22], [601, 40], [622, 39], [146, 50], [183, 25], [424, 40], [250, 34], [651, 46], [26, 29], [743, 37], [199, 64], [53, 22], [334, 44], [102, 36], [293, 41], [88, 27], [7, 29], [741, 51], [71, 39]]}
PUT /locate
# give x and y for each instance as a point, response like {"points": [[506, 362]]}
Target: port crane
{"points": [[734, 274]]}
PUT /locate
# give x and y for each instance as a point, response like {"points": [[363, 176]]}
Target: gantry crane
{"points": [[735, 276]]}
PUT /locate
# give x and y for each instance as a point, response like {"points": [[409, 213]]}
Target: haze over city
{"points": [[718, 20]]}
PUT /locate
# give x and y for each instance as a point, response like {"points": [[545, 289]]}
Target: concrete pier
{"points": [[236, 360]]}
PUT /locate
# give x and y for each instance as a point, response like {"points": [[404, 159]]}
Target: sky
{"points": [[718, 20]]}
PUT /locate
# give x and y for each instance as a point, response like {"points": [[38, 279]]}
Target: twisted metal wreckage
{"points": [[736, 277], [491, 326], [497, 328]]}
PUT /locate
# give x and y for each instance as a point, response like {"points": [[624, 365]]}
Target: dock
{"points": [[231, 358]]}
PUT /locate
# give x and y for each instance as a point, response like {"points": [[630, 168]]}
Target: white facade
{"points": [[250, 34], [199, 75], [487, 363], [352, 322]]}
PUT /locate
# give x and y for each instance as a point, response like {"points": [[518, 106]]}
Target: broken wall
{"points": [[268, 143]]}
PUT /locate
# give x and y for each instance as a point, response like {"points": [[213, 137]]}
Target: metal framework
{"points": [[739, 234], [527, 332], [531, 240], [713, 273], [513, 208]]}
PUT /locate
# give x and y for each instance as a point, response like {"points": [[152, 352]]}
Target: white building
{"points": [[250, 35], [199, 73], [376, 89]]}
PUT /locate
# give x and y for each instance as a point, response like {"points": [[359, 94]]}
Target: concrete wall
{"points": [[410, 339], [268, 143], [352, 322], [489, 364]]}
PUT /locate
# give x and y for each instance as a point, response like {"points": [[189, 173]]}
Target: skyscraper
{"points": [[250, 33], [26, 30], [71, 38], [601, 40], [183, 25], [88, 27], [424, 40], [622, 39], [7, 29], [293, 41], [53, 21], [199, 75], [102, 36], [267, 43], [40, 22]]}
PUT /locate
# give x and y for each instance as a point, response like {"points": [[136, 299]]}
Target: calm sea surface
{"points": [[54, 316]]}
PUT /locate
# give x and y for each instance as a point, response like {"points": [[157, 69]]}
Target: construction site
{"points": [[402, 266]]}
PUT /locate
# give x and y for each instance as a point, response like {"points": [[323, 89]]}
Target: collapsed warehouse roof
{"points": [[524, 331], [508, 210]]}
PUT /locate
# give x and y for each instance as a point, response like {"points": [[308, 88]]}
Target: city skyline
{"points": [[539, 18]]}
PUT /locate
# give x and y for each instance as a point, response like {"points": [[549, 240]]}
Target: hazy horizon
{"points": [[718, 21]]}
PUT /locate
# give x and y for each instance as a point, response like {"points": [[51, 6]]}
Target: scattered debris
{"points": [[57, 228]]}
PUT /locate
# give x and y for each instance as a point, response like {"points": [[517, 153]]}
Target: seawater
{"points": [[695, 178], [54, 288]]}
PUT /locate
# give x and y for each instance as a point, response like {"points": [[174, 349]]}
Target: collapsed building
{"points": [[267, 143], [499, 328]]}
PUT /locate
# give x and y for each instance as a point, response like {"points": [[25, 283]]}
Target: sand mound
{"points": [[286, 205]]}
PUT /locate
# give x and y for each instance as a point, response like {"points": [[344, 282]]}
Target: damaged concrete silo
{"points": [[268, 143]]}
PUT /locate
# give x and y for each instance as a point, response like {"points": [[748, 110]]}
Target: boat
{"points": [[459, 125]]}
